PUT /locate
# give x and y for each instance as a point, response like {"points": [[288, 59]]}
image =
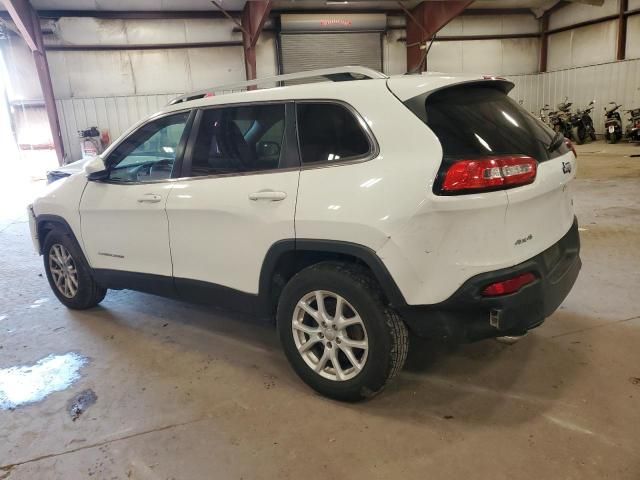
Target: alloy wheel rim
{"points": [[330, 335], [63, 270]]}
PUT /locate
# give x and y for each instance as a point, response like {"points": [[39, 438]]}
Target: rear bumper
{"points": [[468, 316]]}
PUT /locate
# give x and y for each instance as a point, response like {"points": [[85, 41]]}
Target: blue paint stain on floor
{"points": [[25, 384]]}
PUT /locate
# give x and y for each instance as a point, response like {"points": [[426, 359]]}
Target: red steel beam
{"points": [[28, 24], [254, 15], [426, 20]]}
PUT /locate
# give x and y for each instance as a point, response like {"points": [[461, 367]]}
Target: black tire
{"points": [[386, 333], [88, 293], [592, 134]]}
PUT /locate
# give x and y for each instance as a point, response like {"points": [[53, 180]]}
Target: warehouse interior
{"points": [[173, 390]]}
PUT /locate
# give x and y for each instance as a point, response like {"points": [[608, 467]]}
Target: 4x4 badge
{"points": [[566, 167]]}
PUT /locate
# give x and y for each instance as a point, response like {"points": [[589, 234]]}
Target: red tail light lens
{"points": [[489, 173], [569, 144], [508, 286]]}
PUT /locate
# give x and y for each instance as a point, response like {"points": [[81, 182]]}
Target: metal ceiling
{"points": [[279, 5]]}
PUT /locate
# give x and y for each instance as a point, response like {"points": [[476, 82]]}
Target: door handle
{"points": [[149, 198], [268, 195]]}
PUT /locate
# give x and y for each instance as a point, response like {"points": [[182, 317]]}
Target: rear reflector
{"points": [[569, 144], [508, 286], [490, 173]]}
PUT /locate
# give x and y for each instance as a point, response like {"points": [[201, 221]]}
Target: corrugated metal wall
{"points": [[615, 81]]}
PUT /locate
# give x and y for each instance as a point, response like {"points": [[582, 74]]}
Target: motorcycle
{"points": [[582, 124], [633, 127], [561, 119], [612, 123]]}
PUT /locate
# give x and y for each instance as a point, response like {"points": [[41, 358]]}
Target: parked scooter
{"points": [[633, 127], [612, 123], [582, 124]]}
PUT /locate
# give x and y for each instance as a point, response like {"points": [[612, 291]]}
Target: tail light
{"points": [[466, 176], [511, 285], [569, 144]]}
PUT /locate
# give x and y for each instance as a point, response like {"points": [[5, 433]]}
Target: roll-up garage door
{"points": [[309, 51]]}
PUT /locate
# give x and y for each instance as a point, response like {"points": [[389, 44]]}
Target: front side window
{"points": [[329, 132], [150, 152], [239, 139]]}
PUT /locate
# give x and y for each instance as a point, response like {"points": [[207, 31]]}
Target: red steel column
{"points": [[622, 30], [254, 15], [425, 20]]}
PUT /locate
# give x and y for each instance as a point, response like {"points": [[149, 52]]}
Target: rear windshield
{"points": [[473, 121]]}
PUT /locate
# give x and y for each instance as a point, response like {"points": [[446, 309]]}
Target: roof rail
{"points": [[337, 74]]}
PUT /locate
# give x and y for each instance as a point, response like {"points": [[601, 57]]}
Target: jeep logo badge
{"points": [[566, 167]]}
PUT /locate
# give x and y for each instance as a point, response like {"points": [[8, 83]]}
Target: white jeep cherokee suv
{"points": [[353, 212]]}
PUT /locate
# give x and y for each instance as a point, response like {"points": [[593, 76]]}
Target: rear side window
{"points": [[476, 121], [239, 139], [330, 132]]}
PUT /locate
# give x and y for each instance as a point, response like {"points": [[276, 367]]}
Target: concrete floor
{"points": [[184, 392]]}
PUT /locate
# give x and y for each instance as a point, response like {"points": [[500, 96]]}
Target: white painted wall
{"points": [[23, 83], [583, 46], [581, 12], [491, 25], [504, 57]]}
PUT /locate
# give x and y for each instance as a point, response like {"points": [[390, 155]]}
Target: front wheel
{"points": [[338, 334], [69, 274]]}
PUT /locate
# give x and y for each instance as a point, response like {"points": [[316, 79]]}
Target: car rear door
{"points": [[238, 198]]}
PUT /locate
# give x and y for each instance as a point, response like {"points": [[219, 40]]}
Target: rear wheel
{"points": [[338, 334], [68, 273]]}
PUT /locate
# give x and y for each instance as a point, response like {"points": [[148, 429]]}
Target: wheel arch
{"points": [[285, 258], [46, 222]]}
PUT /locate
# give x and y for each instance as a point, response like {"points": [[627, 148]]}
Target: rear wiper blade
{"points": [[556, 142]]}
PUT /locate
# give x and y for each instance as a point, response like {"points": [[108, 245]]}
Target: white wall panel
{"points": [[633, 4], [266, 56], [445, 57], [581, 12], [520, 55], [482, 56], [90, 31], [594, 44], [615, 81], [633, 36], [394, 52], [491, 25]]}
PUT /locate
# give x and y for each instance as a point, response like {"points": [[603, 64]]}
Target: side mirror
{"points": [[96, 169], [268, 149]]}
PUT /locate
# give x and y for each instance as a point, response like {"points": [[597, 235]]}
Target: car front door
{"points": [[123, 218], [239, 199]]}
